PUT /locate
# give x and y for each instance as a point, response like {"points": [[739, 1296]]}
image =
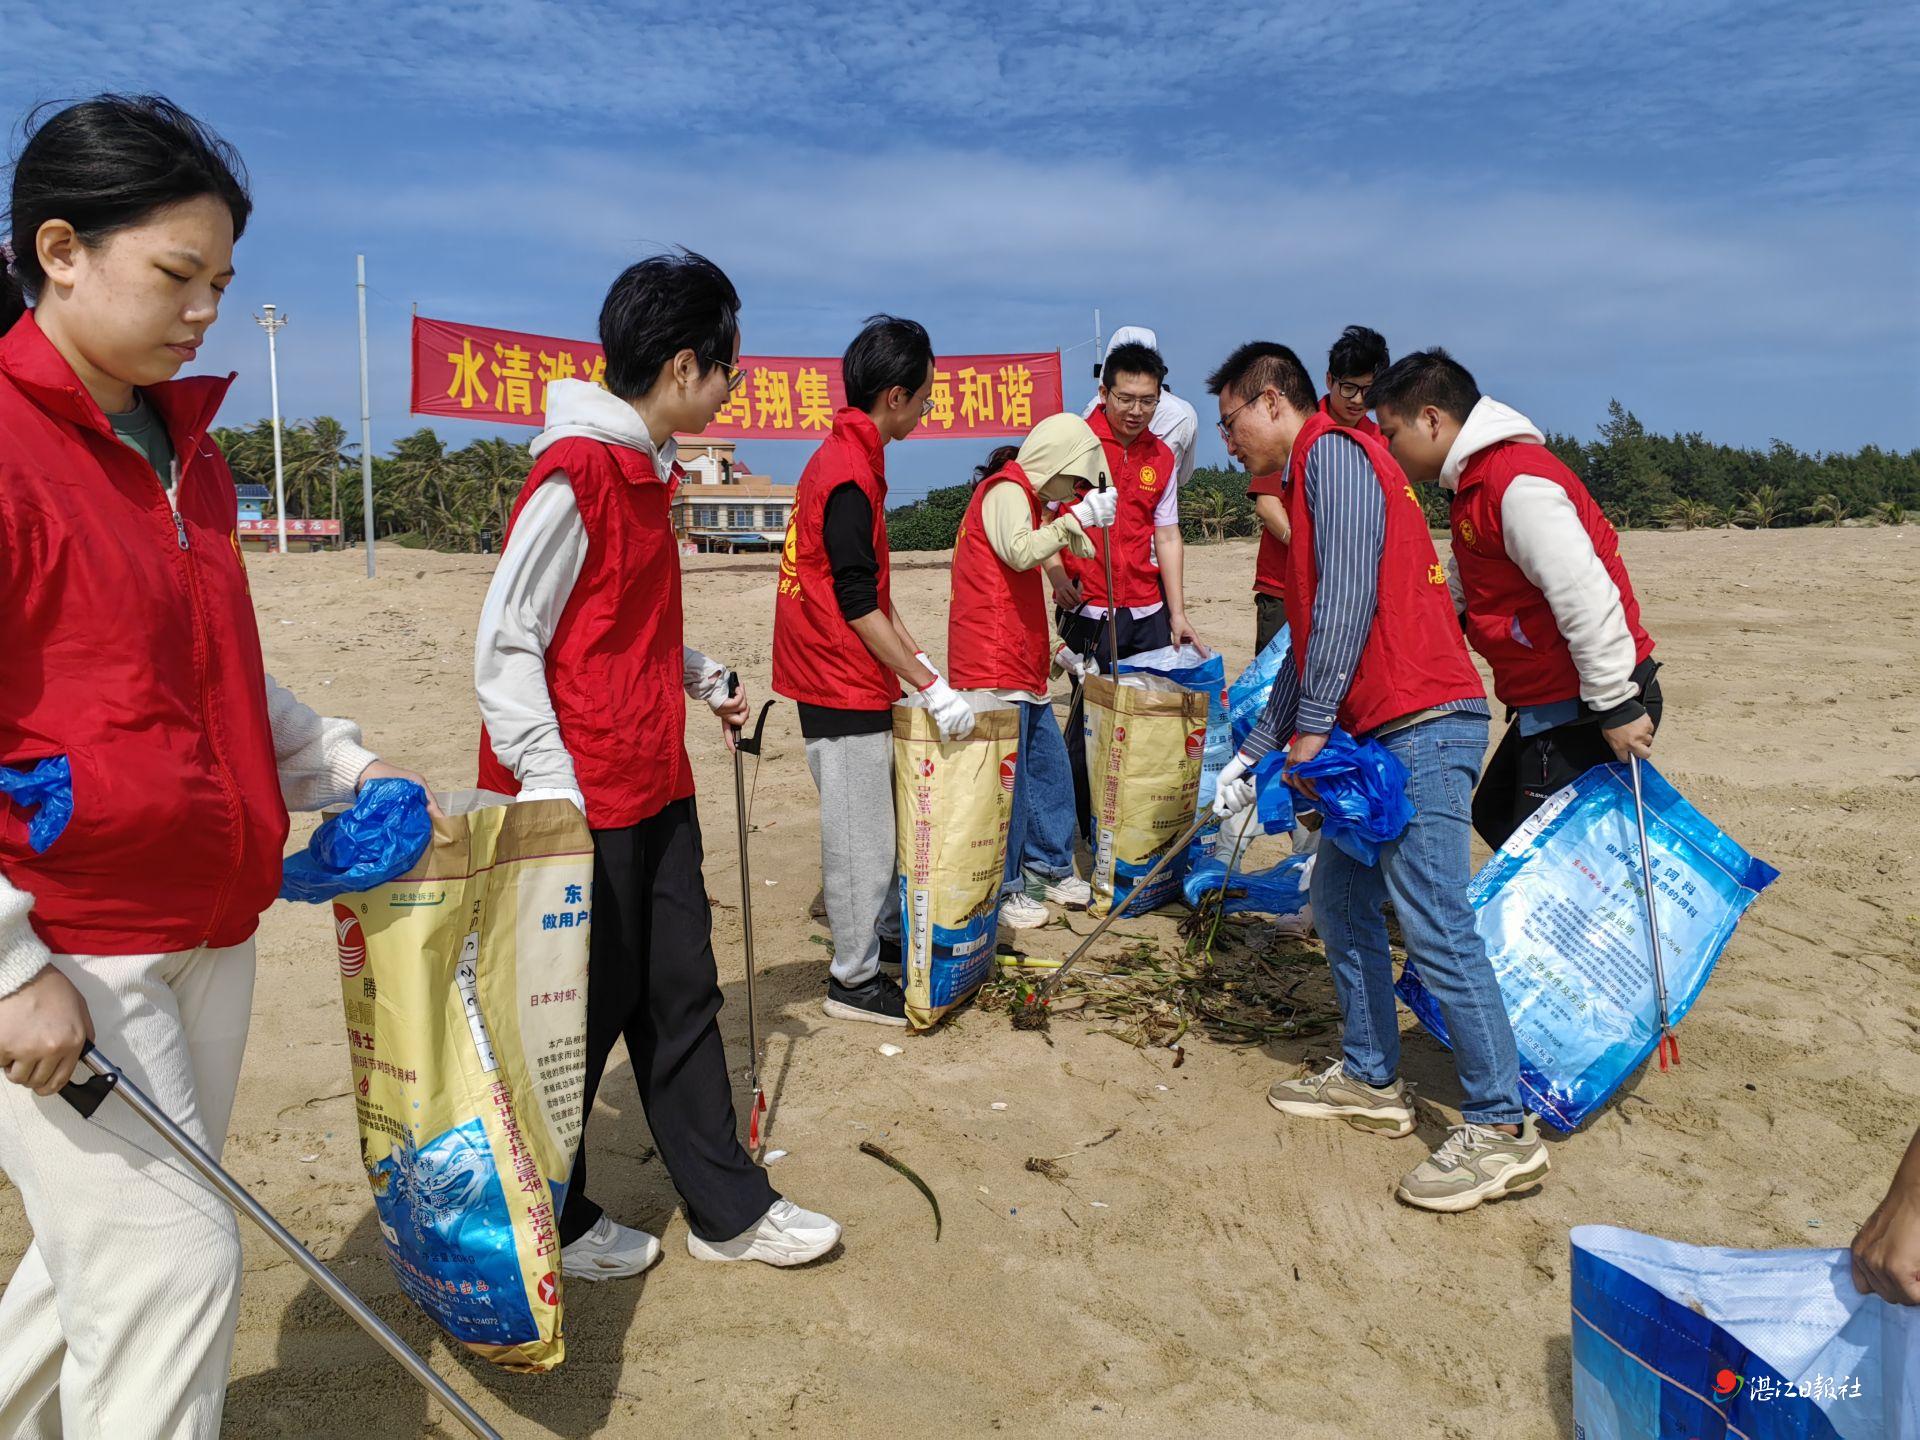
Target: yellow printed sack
{"points": [[952, 800], [1145, 742], [465, 985]]}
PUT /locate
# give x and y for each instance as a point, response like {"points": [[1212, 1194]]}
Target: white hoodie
{"points": [[1544, 537], [530, 589]]}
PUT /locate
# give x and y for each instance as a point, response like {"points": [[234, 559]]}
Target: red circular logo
{"points": [[1196, 743], [350, 939], [1119, 732], [1008, 767], [926, 767], [549, 1289]]}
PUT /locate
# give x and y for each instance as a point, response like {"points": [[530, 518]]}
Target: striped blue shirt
{"points": [[1349, 536]]}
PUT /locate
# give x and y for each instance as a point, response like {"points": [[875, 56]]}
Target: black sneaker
{"points": [[890, 955], [878, 1001]]}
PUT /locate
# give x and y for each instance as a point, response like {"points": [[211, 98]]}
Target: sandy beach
{"points": [[1211, 1269]]}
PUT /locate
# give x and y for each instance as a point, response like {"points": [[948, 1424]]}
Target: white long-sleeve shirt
{"points": [[1544, 537], [319, 760]]}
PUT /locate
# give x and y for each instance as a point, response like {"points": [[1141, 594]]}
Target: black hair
{"points": [[1426, 377], [660, 306], [106, 164], [1133, 358], [887, 352], [1260, 363], [997, 460], [1358, 351]]}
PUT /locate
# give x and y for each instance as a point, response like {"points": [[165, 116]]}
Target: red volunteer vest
{"points": [[1414, 657], [997, 622], [1140, 472], [1270, 567], [613, 665], [1508, 619], [132, 650], [817, 659]]}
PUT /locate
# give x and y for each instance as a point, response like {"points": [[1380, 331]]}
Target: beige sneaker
{"points": [[1332, 1094], [1475, 1163]]}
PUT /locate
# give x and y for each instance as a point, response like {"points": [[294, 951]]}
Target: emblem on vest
{"points": [[1149, 477], [1469, 537], [790, 565]]}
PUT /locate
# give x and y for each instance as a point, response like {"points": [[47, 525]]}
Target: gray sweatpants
{"points": [[854, 775]]}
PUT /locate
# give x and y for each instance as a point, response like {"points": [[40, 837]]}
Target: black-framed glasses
{"points": [[736, 377], [1225, 423], [1353, 390]]}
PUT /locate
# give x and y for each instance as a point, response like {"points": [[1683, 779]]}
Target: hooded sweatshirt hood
{"points": [[1488, 423], [578, 410], [1132, 335], [1058, 451]]}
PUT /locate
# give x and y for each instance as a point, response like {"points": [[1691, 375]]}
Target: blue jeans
{"points": [[1425, 874], [1040, 835]]}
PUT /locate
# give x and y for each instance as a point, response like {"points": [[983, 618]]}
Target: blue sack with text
{"points": [[1562, 912]]}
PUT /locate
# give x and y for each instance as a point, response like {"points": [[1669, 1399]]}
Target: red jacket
{"points": [[1508, 620], [817, 658], [997, 622], [1140, 472], [1270, 566], [1414, 657], [131, 649], [614, 665]]}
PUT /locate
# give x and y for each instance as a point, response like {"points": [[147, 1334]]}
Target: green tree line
{"points": [[1643, 481], [427, 494]]}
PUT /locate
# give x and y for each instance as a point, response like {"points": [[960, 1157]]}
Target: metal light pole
{"points": [[366, 424], [272, 322]]}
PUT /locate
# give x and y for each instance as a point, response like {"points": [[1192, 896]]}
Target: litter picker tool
{"points": [[744, 745], [1178, 847], [86, 1096], [1113, 623], [1668, 1042]]}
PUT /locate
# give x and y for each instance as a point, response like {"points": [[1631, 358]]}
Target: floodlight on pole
{"points": [[273, 322]]}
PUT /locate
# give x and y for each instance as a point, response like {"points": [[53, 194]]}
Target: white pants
{"points": [[118, 1323]]}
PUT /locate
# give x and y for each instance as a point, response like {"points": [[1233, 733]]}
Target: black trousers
{"points": [[1527, 769], [651, 979], [1269, 614], [1089, 637]]}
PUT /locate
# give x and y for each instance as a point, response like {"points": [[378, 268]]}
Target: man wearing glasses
{"points": [[1148, 556], [1357, 356], [841, 652]]}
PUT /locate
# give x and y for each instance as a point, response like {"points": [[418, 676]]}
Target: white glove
{"points": [[1233, 791], [927, 660], [702, 677], [951, 713], [1071, 662], [572, 797], [1096, 509]]}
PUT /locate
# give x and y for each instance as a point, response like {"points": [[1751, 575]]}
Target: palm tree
{"points": [[497, 468], [1214, 511], [1890, 512], [1760, 507], [1690, 514], [1830, 508]]}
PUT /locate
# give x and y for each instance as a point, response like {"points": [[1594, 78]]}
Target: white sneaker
{"points": [[786, 1235], [1068, 890], [1022, 912], [609, 1252]]}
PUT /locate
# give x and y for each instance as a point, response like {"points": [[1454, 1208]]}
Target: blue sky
{"points": [[1709, 210]]}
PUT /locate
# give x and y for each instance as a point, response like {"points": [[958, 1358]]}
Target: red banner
{"points": [[468, 372]]}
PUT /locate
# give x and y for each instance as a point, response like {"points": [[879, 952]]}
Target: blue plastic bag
{"points": [[1673, 1340], [1246, 698], [1362, 788], [383, 835], [1280, 890], [50, 786], [1562, 912]]}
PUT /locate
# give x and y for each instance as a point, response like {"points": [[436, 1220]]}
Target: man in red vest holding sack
{"points": [[1356, 357], [841, 652], [997, 640], [1539, 582], [1375, 649], [583, 677]]}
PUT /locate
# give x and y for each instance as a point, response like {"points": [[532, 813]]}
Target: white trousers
{"points": [[118, 1322]]}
